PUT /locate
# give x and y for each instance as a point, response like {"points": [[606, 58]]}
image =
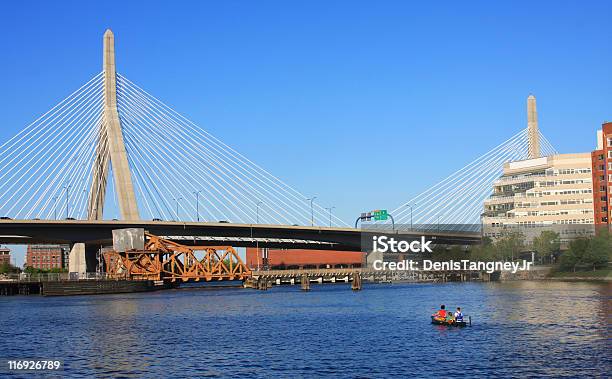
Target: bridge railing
{"points": [[55, 276], [309, 271]]}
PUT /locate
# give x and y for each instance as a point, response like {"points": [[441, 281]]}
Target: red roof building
{"points": [[302, 258]]}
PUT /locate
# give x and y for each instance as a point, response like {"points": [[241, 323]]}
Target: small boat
{"points": [[437, 321]]}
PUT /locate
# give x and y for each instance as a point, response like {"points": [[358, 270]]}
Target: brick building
{"points": [[602, 174], [302, 258], [47, 257], [5, 256]]}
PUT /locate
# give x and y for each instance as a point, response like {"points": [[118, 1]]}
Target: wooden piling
{"points": [[305, 283], [356, 285]]}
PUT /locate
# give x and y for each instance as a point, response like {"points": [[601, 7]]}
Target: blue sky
{"points": [[334, 97]]}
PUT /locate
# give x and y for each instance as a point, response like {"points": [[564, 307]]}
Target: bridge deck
{"points": [[209, 233]]}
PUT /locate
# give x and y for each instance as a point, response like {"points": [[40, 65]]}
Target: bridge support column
{"points": [[82, 258], [76, 259], [532, 128], [111, 136]]}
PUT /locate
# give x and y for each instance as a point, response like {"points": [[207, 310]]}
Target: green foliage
{"points": [[546, 243], [600, 252], [7, 268], [32, 270], [455, 253], [483, 253], [592, 252], [575, 254], [509, 246]]}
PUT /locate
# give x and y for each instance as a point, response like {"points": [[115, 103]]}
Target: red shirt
{"points": [[442, 313]]}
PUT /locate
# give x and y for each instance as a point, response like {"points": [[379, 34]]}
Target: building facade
{"points": [[5, 256], [602, 175], [548, 192], [47, 257]]}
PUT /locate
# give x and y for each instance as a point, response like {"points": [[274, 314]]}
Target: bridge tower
{"points": [[532, 128], [111, 148]]}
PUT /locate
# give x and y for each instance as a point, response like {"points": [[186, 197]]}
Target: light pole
{"points": [[197, 194], [67, 188], [177, 207], [410, 206], [257, 204], [55, 207], [311, 210], [330, 214]]}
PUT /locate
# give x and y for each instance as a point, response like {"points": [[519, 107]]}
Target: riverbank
{"points": [[597, 275], [552, 273]]}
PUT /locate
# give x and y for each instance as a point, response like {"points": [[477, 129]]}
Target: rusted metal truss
{"points": [[166, 260]]}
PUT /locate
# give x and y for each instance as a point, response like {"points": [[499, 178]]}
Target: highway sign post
{"points": [[377, 215]]}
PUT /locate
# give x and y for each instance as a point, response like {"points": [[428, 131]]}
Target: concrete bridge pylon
{"points": [[532, 128], [111, 148]]}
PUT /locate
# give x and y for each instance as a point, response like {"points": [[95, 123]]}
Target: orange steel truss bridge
{"points": [[162, 259]]}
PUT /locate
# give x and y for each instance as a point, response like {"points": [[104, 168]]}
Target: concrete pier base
{"points": [[82, 258], [77, 262]]}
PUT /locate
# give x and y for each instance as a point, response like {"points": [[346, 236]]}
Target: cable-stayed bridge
{"points": [[458, 199], [111, 150], [112, 142]]}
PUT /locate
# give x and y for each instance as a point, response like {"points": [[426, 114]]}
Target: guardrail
{"points": [[55, 277], [308, 271]]}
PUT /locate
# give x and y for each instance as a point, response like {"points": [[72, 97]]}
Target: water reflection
{"points": [[519, 329]]}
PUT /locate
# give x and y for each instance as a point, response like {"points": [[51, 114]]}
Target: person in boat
{"points": [[458, 315], [449, 317], [441, 314]]}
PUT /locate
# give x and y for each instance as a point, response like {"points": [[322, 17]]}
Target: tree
{"points": [[483, 253], [445, 254], [600, 248], [7, 268], [576, 253], [546, 243], [509, 246]]}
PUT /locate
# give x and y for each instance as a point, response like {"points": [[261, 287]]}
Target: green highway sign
{"points": [[380, 214]]}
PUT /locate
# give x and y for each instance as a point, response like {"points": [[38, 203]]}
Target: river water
{"points": [[520, 329]]}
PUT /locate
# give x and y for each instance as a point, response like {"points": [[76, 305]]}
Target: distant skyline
{"points": [[335, 98]]}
